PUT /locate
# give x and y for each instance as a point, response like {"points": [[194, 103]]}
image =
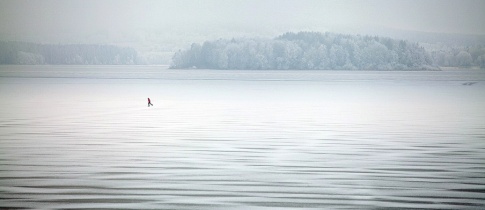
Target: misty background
{"points": [[76, 131], [158, 29]]}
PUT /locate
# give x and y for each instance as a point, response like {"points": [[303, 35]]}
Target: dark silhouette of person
{"points": [[149, 102]]}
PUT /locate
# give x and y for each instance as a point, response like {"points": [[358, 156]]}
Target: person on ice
{"points": [[149, 102]]}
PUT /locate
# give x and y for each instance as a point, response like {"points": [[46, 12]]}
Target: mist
{"points": [[158, 29], [109, 21], [242, 104]]}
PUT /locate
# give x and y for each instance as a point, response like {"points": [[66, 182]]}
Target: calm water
{"points": [[74, 137]]}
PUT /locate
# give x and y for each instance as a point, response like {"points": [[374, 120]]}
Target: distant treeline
{"points": [[78, 54], [458, 56], [306, 50]]}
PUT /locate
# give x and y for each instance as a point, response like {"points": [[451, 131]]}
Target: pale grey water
{"points": [[75, 137]]}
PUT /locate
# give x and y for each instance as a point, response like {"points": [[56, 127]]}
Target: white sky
{"points": [[48, 20]]}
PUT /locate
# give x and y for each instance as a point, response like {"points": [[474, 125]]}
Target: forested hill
{"points": [[31, 53], [306, 50]]}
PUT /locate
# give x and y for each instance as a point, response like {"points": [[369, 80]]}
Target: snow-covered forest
{"points": [[457, 56], [314, 50], [78, 54], [306, 50], [303, 50]]}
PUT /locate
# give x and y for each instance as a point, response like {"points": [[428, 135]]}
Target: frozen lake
{"points": [[74, 137]]}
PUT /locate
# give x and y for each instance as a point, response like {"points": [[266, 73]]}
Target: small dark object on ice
{"points": [[469, 83], [149, 103]]}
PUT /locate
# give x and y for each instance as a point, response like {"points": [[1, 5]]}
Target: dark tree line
{"points": [[86, 54], [306, 50]]}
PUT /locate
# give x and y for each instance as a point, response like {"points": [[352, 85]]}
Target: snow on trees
{"points": [[305, 50]]}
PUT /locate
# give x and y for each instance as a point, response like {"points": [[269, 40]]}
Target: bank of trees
{"points": [[306, 50], [79, 54], [459, 56], [303, 50]]}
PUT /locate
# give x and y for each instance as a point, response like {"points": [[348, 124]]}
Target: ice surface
{"points": [[83, 137]]}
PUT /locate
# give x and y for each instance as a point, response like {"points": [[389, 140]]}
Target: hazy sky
{"points": [[80, 20]]}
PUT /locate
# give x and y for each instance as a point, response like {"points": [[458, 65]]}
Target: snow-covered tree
{"points": [[305, 50]]}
